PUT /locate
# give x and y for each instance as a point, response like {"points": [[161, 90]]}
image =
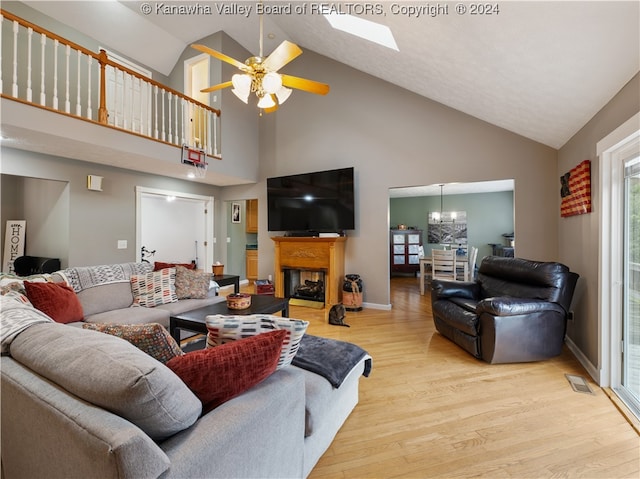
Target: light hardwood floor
{"points": [[429, 409]]}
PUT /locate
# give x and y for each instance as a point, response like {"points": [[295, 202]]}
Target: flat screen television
{"points": [[321, 202]]}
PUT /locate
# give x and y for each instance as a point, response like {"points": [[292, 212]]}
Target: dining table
{"points": [[462, 264]]}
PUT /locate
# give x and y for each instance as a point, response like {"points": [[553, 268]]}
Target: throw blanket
{"points": [[84, 277], [15, 317], [330, 358]]}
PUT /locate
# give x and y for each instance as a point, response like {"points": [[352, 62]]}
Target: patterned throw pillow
{"points": [[192, 284], [56, 300], [152, 338], [155, 288], [219, 374], [223, 329], [15, 290]]}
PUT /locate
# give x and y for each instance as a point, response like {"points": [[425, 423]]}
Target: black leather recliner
{"points": [[515, 311]]}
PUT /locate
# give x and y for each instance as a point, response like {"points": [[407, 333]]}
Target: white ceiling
{"points": [[541, 69]]}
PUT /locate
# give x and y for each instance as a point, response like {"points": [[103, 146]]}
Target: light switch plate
{"points": [[122, 244]]}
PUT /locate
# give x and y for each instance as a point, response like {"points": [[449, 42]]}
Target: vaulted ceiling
{"points": [[539, 69]]}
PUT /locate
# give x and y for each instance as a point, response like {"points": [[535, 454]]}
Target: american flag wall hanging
{"points": [[576, 190]]}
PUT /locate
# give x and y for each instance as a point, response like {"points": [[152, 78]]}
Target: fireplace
{"points": [[304, 285], [309, 259]]}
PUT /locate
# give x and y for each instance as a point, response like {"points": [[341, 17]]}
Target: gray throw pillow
{"points": [[111, 373]]}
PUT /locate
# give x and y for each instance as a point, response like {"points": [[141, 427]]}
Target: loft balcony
{"points": [[60, 98]]}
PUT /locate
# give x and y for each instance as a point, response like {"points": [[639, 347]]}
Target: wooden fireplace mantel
{"points": [[313, 254]]}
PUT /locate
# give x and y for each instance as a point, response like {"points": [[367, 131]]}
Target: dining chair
{"points": [[443, 264], [473, 254]]}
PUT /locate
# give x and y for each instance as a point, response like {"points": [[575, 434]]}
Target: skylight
{"points": [[372, 31]]}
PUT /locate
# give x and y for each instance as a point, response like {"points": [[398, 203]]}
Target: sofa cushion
{"points": [[152, 338], [223, 329], [56, 300], [190, 304], [110, 373], [216, 375], [105, 297], [133, 315], [192, 284], [152, 289]]}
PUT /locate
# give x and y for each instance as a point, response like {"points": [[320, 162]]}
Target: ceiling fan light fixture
{"points": [[271, 82], [244, 98], [282, 94], [242, 83], [266, 102]]}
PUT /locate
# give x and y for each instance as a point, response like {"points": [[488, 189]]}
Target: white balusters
{"points": [[89, 63], [126, 100], [43, 42], [14, 84], [29, 89], [55, 73], [1, 23], [176, 138], [164, 138], [169, 96], [78, 107], [67, 102], [155, 109]]}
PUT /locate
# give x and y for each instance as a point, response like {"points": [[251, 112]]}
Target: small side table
{"points": [[227, 280]]}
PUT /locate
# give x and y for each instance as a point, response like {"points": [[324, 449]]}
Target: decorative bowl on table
{"points": [[238, 301]]}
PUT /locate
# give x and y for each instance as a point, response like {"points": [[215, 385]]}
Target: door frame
{"points": [[208, 202]]}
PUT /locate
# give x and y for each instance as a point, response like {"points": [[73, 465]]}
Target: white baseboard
{"points": [[582, 359], [384, 307]]}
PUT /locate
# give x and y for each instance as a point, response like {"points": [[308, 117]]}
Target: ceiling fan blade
{"points": [[221, 56], [219, 86], [283, 54], [306, 85]]}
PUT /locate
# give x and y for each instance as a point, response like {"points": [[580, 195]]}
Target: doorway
{"points": [[196, 78], [619, 285], [174, 227]]}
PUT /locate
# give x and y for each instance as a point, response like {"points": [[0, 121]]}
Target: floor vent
{"points": [[579, 384]]}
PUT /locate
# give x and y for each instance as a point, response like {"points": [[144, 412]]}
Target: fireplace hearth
{"points": [[305, 285], [313, 259]]}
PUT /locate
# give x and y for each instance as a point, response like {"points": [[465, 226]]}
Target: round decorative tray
{"points": [[238, 301]]}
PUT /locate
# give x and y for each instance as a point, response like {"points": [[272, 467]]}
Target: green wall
{"points": [[489, 215]]}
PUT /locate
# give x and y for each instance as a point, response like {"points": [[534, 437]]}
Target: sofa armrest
{"points": [[442, 289], [509, 306], [47, 432], [259, 433]]}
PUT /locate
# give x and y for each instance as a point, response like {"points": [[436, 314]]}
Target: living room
{"points": [[400, 139]]}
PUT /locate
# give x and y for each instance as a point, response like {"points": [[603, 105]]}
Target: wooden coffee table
{"points": [[195, 320]]}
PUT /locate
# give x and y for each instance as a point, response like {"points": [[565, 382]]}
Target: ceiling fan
{"points": [[260, 76]]}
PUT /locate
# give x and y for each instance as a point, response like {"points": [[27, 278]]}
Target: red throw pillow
{"points": [[157, 266], [218, 374], [56, 300]]}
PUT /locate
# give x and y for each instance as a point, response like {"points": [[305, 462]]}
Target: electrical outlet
{"points": [[228, 240], [122, 244], [570, 316]]}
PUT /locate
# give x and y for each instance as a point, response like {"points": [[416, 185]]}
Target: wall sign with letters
{"points": [[13, 244]]}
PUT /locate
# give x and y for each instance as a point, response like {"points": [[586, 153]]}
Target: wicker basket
{"points": [[218, 269], [238, 301]]}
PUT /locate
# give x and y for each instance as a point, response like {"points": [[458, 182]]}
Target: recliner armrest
{"points": [[442, 289], [509, 306]]}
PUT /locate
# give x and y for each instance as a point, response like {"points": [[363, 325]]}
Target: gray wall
{"points": [[489, 215], [395, 138], [97, 220], [578, 236]]}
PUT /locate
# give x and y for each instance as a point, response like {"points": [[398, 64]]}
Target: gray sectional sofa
{"points": [[80, 403]]}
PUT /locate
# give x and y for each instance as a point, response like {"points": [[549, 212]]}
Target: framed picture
{"points": [[575, 190], [235, 213]]}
